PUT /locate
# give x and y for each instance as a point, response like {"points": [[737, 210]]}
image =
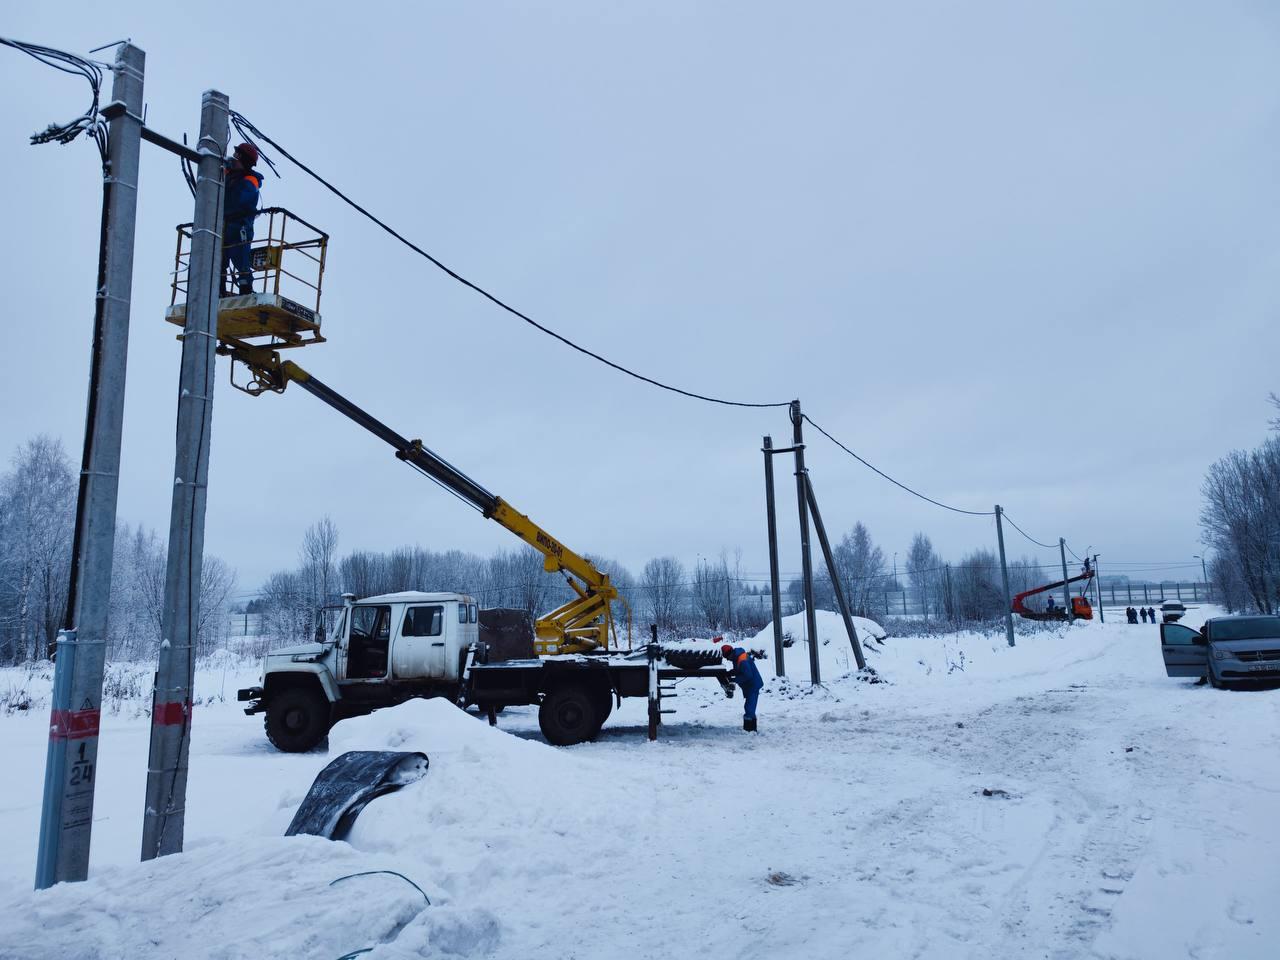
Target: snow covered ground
{"points": [[1128, 816]]}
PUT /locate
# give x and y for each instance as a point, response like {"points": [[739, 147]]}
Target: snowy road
{"points": [[1129, 816]]}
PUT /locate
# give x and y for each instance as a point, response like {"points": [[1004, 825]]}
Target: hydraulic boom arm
{"points": [[583, 623]]}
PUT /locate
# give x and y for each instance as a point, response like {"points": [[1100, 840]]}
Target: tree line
{"points": [[37, 520], [1240, 523]]}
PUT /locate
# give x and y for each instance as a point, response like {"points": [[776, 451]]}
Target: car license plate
{"points": [[1261, 667]]}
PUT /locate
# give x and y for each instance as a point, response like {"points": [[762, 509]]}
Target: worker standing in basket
{"points": [[240, 205], [747, 676]]}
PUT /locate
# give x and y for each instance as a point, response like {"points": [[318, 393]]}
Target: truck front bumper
{"points": [[254, 696]]}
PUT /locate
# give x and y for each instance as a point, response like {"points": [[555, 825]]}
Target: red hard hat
{"points": [[247, 153], [727, 649]]}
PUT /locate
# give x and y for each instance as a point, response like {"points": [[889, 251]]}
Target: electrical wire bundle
{"points": [[88, 122]]}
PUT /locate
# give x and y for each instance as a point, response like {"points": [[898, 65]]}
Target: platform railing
{"points": [[289, 266]]}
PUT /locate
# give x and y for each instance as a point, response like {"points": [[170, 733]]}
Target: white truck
{"points": [[388, 649]]}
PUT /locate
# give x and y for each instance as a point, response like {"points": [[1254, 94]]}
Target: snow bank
{"points": [[268, 898]]}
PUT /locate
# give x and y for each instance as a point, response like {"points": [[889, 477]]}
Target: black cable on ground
{"points": [[897, 483], [369, 873], [246, 129]]}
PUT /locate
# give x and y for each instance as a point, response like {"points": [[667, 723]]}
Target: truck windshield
{"points": [[1252, 628]]}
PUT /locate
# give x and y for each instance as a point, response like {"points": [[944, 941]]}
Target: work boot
{"points": [[749, 724]]}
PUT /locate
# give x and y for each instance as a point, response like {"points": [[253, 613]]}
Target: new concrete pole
{"points": [[165, 810], [1004, 575], [1097, 586], [806, 556], [66, 815], [774, 585], [1066, 587]]}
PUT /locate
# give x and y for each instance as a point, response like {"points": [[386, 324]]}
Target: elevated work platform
{"points": [[283, 310], [249, 317]]}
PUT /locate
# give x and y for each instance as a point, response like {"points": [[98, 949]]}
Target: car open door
{"points": [[1185, 652]]}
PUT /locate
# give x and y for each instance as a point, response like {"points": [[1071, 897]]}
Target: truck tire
{"points": [[604, 702], [569, 715], [297, 719]]}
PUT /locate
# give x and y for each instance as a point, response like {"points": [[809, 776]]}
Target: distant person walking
{"points": [[1131, 614], [1151, 614], [746, 675], [1143, 611]]}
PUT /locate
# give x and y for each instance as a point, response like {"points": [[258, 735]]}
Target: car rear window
{"points": [[1254, 628]]}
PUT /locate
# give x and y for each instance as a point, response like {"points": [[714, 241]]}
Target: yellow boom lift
{"points": [[284, 312]]}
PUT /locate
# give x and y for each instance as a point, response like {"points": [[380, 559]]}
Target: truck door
{"points": [[368, 642], [420, 648], [1185, 651]]}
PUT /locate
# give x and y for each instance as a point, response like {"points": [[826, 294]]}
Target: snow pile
{"points": [[835, 655], [269, 898]]}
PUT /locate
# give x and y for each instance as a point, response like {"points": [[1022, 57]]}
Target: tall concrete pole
{"points": [[1066, 587], [774, 585], [66, 815], [806, 556], [165, 811], [1097, 586], [1004, 574]]}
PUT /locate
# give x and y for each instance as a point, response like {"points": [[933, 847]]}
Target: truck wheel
{"points": [[604, 702], [297, 719], [568, 715]]}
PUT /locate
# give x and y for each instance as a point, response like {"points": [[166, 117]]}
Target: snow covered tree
{"points": [[37, 517]]}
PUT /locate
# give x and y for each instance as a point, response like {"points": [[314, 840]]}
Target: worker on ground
{"points": [[1049, 608], [1151, 614], [1143, 612], [747, 676], [241, 184]]}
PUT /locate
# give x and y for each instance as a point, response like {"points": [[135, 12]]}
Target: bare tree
{"points": [[922, 570], [662, 587]]}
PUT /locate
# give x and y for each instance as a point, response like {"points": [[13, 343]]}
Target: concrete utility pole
{"points": [[1066, 587], [774, 584], [806, 557], [165, 811], [1097, 587], [1004, 574], [66, 815], [1204, 573]]}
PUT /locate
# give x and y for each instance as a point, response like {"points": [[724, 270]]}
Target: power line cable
{"points": [[1047, 546], [246, 129], [898, 483], [75, 65]]}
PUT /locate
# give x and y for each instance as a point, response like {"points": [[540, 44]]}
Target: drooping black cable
{"points": [[897, 483], [1047, 546], [248, 130]]}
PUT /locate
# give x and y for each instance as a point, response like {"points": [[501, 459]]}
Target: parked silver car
{"points": [[1225, 650]]}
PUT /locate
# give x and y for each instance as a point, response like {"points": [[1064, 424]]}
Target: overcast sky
{"points": [[1009, 252]]}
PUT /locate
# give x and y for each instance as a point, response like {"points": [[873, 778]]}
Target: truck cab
{"points": [[381, 651]]}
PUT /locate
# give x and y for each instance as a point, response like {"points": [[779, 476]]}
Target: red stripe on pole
{"points": [[170, 714], [73, 724]]}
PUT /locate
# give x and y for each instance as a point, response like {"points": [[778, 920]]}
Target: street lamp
{"points": [[1204, 573]]}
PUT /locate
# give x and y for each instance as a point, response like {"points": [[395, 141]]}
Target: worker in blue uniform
{"points": [[747, 676], [241, 184]]}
